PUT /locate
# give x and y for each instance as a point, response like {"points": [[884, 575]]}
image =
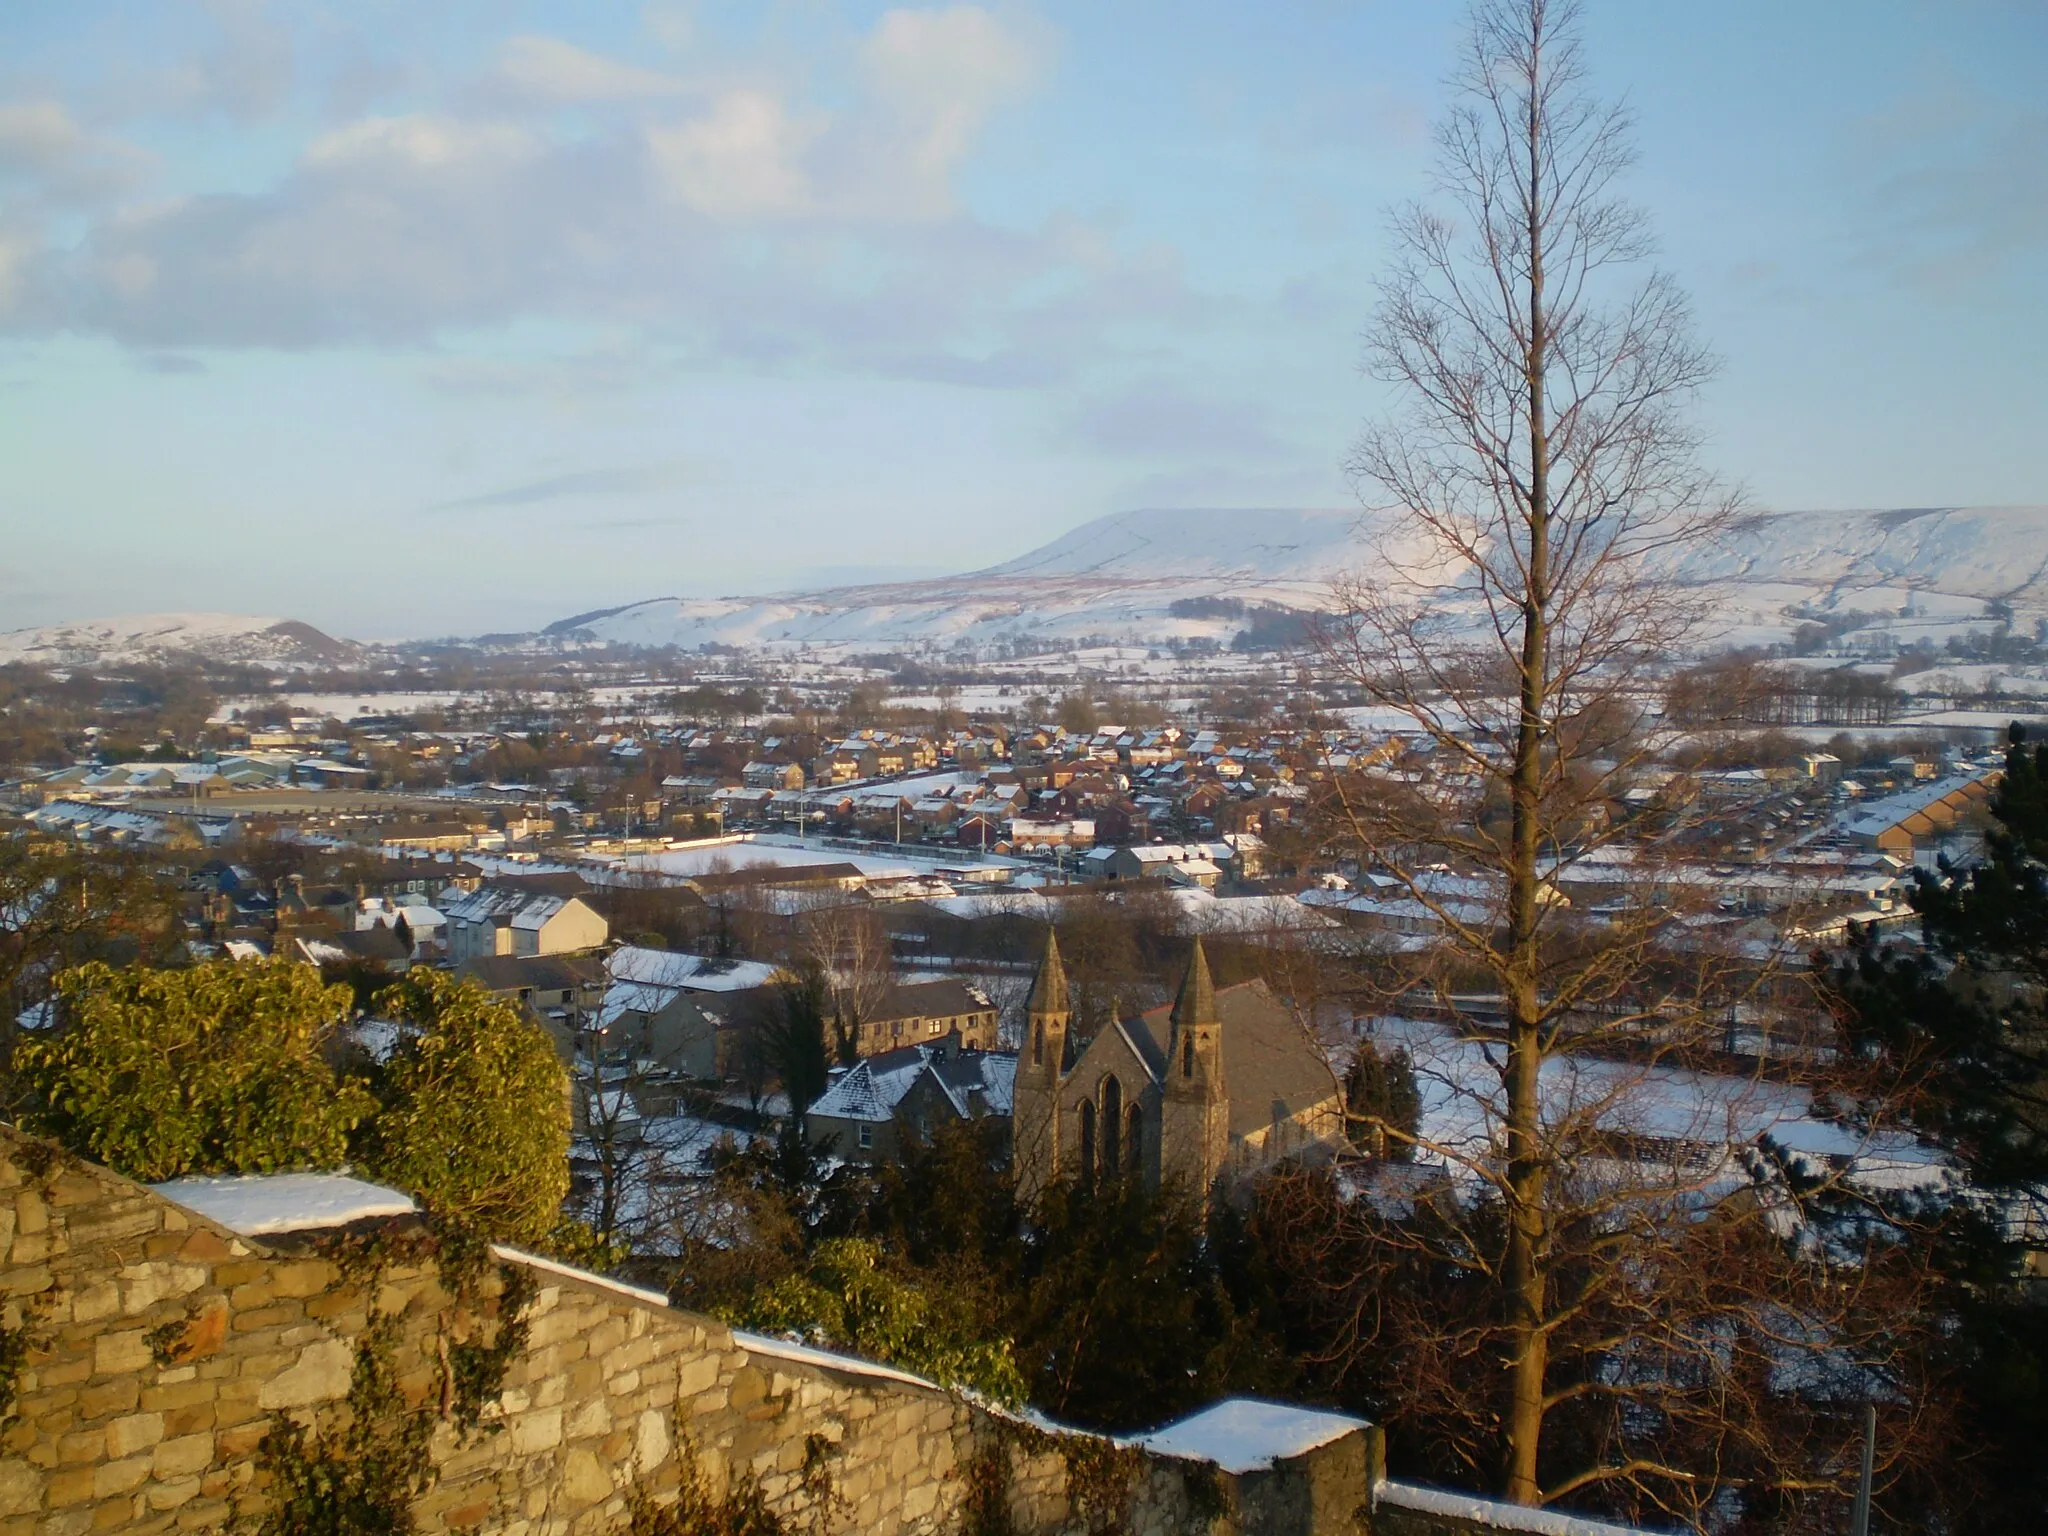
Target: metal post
{"points": [[1859, 1522]]}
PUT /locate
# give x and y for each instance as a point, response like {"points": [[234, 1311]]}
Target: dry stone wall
{"points": [[160, 1349]]}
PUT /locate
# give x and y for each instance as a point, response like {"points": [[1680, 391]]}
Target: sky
{"points": [[418, 320]]}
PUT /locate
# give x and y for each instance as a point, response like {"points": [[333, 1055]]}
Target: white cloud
{"points": [[552, 69], [37, 135], [418, 142], [44, 145], [748, 219], [739, 160], [940, 74]]}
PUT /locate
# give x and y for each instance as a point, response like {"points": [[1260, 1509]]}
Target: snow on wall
{"points": [[254, 1204], [1493, 1515], [1243, 1434]]}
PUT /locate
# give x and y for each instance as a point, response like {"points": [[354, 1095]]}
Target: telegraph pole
{"points": [[1859, 1521]]}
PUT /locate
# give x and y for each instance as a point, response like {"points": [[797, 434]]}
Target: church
{"points": [[1216, 1086]]}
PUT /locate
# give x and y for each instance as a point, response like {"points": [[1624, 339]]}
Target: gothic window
{"points": [[1037, 1042], [1187, 1054], [1112, 1127], [1087, 1142]]}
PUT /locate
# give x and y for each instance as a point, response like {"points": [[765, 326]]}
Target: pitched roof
{"points": [[1197, 1001], [508, 973], [929, 1000], [1049, 986], [1271, 1065]]}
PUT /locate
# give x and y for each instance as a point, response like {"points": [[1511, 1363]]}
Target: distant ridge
{"points": [[1920, 570]]}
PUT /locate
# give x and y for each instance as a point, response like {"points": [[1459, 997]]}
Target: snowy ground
{"points": [[1463, 1108]]}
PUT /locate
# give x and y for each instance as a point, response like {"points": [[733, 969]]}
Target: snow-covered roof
{"points": [[254, 1204], [1244, 1434], [685, 972]]}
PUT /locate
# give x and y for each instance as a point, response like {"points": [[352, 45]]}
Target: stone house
{"points": [[921, 1012]]}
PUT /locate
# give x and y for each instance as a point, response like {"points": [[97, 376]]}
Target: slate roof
{"points": [[547, 973], [872, 1088], [929, 1000], [1268, 1059]]}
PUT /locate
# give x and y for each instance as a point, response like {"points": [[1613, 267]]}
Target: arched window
{"points": [[1187, 1054], [1112, 1127], [1037, 1042], [1087, 1142], [1134, 1139]]}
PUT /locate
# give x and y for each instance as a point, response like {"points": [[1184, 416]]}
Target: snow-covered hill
{"points": [[1914, 572], [147, 637]]}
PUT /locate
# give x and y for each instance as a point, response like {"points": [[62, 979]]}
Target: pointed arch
{"points": [[1087, 1142], [1112, 1126]]}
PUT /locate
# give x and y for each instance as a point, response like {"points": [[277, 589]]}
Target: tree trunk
{"points": [[1526, 1299]]}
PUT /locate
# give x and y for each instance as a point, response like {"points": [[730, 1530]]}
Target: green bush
{"points": [[474, 1110], [845, 1300], [215, 1069]]}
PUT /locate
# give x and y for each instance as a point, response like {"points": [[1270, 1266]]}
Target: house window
{"points": [[867, 1137]]}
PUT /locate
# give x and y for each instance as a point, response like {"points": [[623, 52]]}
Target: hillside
{"points": [[150, 637], [1918, 572]]}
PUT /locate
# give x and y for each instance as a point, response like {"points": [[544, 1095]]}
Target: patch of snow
{"points": [[1244, 1434], [638, 1293], [256, 1204], [785, 1349], [1493, 1514]]}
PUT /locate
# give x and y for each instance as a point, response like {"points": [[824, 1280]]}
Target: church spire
{"points": [[1049, 986], [1197, 1001]]}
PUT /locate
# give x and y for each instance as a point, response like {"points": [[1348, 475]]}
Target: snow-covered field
{"points": [[336, 706]]}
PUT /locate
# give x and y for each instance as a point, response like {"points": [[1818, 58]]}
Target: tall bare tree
{"points": [[1529, 504]]}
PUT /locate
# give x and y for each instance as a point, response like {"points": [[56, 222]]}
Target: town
{"points": [[958, 768]]}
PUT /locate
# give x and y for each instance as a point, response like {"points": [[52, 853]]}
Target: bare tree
{"points": [[1529, 506], [845, 935]]}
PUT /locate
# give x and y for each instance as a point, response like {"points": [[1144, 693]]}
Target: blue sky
{"points": [[411, 320]]}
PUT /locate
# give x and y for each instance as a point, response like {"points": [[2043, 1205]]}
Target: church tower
{"points": [[1194, 1110], [1034, 1114]]}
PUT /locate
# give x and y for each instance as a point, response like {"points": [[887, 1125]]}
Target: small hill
{"points": [[162, 637]]}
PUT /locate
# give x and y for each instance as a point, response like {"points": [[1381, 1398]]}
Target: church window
{"points": [[1087, 1141], [1112, 1127], [1038, 1042], [1187, 1055]]}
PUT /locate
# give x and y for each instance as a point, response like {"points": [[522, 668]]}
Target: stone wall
{"points": [[162, 1347]]}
